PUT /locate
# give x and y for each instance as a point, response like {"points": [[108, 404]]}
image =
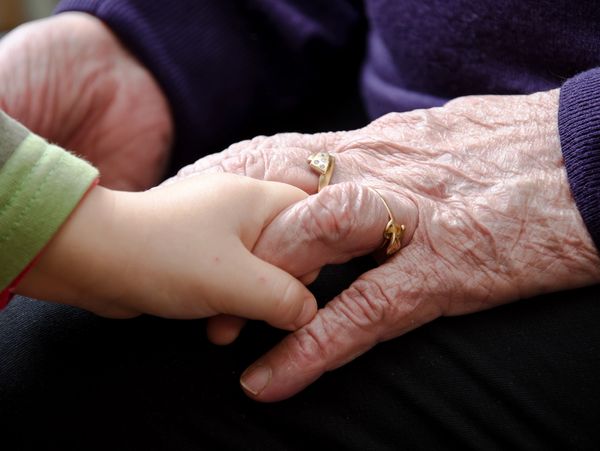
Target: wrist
{"points": [[80, 266]]}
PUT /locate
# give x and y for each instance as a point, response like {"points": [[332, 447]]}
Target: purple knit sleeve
{"points": [[579, 128], [230, 66]]}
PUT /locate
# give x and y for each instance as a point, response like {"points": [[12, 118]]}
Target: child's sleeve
{"points": [[40, 185]]}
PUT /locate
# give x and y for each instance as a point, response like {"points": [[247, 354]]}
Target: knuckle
{"points": [[396, 119], [367, 303], [258, 142], [245, 157], [332, 339], [332, 216], [307, 347], [247, 163], [464, 103], [187, 170], [386, 120], [285, 139]]}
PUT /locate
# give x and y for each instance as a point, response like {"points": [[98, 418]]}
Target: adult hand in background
{"points": [[69, 79], [481, 187]]}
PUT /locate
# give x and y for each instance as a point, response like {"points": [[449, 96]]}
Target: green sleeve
{"points": [[40, 185]]}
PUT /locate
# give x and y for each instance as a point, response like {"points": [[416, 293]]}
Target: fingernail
{"points": [[256, 378]]}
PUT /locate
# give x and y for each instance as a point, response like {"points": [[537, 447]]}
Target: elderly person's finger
{"points": [[341, 222], [378, 306], [279, 158]]}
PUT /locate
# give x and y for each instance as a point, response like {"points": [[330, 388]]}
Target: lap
{"points": [[523, 375]]}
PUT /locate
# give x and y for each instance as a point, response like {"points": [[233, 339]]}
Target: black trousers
{"points": [[522, 376]]}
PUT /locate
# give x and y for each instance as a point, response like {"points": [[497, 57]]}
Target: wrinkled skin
{"points": [[481, 187], [479, 184], [68, 79]]}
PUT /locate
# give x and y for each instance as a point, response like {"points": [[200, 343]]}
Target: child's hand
{"points": [[179, 251]]}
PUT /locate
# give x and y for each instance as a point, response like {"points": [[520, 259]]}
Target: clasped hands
{"points": [[479, 185], [482, 190]]}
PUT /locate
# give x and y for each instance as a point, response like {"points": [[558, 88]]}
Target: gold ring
{"points": [[393, 233], [322, 163]]}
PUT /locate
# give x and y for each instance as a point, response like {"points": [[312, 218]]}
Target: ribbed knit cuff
{"points": [[579, 128], [40, 185]]}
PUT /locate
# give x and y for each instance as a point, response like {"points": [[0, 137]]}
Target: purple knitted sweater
{"points": [[226, 64]]}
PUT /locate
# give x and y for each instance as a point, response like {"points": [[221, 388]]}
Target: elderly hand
{"points": [[482, 190], [68, 79]]}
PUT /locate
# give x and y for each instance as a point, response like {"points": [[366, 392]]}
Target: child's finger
{"points": [[224, 329]]}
